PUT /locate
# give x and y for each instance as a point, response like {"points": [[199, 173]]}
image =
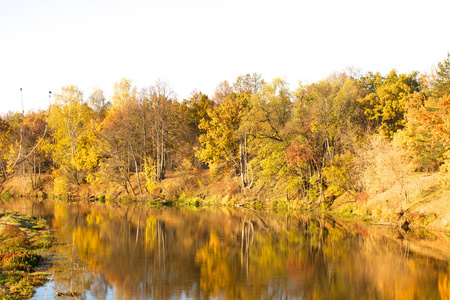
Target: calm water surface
{"points": [[141, 253]]}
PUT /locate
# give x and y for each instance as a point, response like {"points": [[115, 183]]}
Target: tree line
{"points": [[349, 133]]}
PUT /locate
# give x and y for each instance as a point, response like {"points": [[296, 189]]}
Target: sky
{"points": [[196, 44]]}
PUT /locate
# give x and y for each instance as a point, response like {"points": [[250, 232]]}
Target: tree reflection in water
{"points": [[236, 254], [246, 239]]}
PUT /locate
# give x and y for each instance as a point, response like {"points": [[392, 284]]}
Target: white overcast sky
{"points": [[196, 44]]}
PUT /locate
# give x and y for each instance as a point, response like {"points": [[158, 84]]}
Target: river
{"points": [[105, 252]]}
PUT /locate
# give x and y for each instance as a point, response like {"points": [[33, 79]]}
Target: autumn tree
{"points": [[426, 133], [140, 133], [422, 134], [441, 80], [385, 103], [193, 112], [269, 111], [120, 135], [21, 137], [4, 141], [162, 97], [35, 126], [248, 84], [223, 90], [224, 138], [99, 104], [326, 124], [72, 148], [15, 148], [220, 141]]}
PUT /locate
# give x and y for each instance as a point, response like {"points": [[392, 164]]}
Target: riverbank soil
{"points": [[23, 239]]}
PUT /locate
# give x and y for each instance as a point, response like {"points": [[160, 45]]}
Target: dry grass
{"points": [[427, 203]]}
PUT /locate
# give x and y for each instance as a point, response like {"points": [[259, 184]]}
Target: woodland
{"points": [[349, 135]]}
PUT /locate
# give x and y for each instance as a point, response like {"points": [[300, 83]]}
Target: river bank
{"points": [[24, 241], [420, 201]]}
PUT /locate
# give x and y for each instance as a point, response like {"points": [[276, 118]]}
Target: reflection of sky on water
{"points": [[48, 291], [58, 283]]}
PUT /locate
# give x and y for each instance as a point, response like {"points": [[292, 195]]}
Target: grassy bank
{"points": [[421, 200], [23, 239]]}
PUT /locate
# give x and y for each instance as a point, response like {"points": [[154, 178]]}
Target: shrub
{"points": [[382, 165]]}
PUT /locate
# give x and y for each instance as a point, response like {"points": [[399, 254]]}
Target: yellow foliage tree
{"points": [[73, 147]]}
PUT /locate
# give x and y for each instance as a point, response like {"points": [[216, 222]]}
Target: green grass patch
{"points": [[426, 219], [347, 209], [193, 201], [44, 242], [259, 205], [22, 239], [101, 199], [19, 260], [6, 195]]}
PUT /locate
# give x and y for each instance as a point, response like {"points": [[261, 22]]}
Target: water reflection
{"points": [[139, 253]]}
